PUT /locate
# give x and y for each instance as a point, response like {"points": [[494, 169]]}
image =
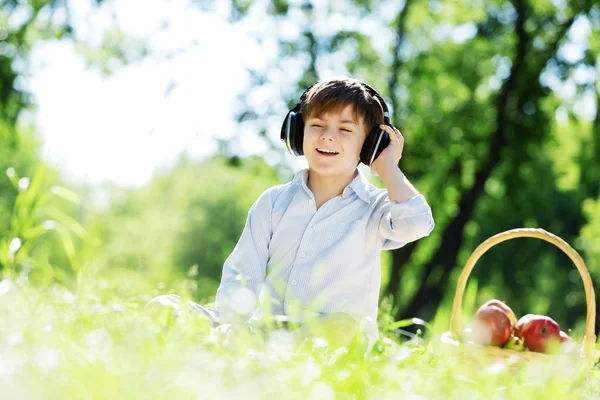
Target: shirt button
{"points": [[294, 282], [303, 254], [310, 230], [310, 202]]}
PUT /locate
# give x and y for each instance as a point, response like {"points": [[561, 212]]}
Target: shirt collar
{"points": [[360, 184]]}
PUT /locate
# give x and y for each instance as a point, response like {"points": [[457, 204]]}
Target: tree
{"points": [[473, 87], [28, 191]]}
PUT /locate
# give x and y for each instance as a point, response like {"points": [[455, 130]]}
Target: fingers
{"points": [[394, 133], [399, 134], [396, 140]]}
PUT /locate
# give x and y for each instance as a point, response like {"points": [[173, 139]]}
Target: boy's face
{"points": [[339, 131]]}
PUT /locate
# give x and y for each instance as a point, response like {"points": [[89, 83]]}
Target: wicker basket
{"points": [[588, 354]]}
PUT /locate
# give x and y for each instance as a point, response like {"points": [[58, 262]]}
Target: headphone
{"points": [[292, 131]]}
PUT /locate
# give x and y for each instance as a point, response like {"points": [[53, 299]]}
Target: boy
{"points": [[310, 249]]}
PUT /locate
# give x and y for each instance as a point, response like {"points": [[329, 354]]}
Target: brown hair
{"points": [[335, 94]]}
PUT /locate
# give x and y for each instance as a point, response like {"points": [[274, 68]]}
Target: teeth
{"points": [[328, 151]]}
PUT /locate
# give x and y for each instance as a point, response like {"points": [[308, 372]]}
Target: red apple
{"points": [[565, 338], [491, 326], [519, 325], [568, 344], [538, 332], [502, 305]]}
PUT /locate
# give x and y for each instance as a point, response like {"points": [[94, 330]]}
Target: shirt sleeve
{"points": [[245, 269], [405, 222]]}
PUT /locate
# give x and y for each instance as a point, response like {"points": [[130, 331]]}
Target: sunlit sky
{"points": [[120, 128]]}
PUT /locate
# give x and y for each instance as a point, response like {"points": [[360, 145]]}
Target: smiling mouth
{"points": [[327, 152]]}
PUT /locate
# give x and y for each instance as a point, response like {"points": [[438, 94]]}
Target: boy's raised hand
{"points": [[391, 155]]}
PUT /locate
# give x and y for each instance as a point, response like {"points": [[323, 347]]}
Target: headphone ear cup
{"points": [[298, 137], [292, 132], [375, 143]]}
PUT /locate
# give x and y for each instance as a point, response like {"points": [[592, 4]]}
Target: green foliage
{"points": [[40, 235], [187, 220], [590, 235], [278, 7], [115, 51], [41, 239]]}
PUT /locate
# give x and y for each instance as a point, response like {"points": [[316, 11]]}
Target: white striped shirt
{"points": [[303, 263]]}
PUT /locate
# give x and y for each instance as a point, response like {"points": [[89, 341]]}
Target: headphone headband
{"points": [[386, 112], [373, 92]]}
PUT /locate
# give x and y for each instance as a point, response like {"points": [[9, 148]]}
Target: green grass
{"points": [[95, 341], [99, 344]]}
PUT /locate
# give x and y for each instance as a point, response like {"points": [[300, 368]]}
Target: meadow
{"points": [[98, 343]]}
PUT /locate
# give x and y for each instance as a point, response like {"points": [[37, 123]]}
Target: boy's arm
{"points": [[408, 216], [245, 269]]}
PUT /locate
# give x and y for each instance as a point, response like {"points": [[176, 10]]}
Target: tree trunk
{"points": [[433, 285], [397, 62], [429, 295]]}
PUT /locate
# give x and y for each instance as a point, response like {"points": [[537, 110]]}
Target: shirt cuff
{"points": [[410, 208]]}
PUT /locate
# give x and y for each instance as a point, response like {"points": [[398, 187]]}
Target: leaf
{"points": [[66, 220], [34, 232], [68, 246], [66, 194], [13, 177], [278, 7]]}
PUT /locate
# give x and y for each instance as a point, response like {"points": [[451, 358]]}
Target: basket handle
{"points": [[589, 341]]}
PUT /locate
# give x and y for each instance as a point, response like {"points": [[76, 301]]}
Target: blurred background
{"points": [[134, 136]]}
